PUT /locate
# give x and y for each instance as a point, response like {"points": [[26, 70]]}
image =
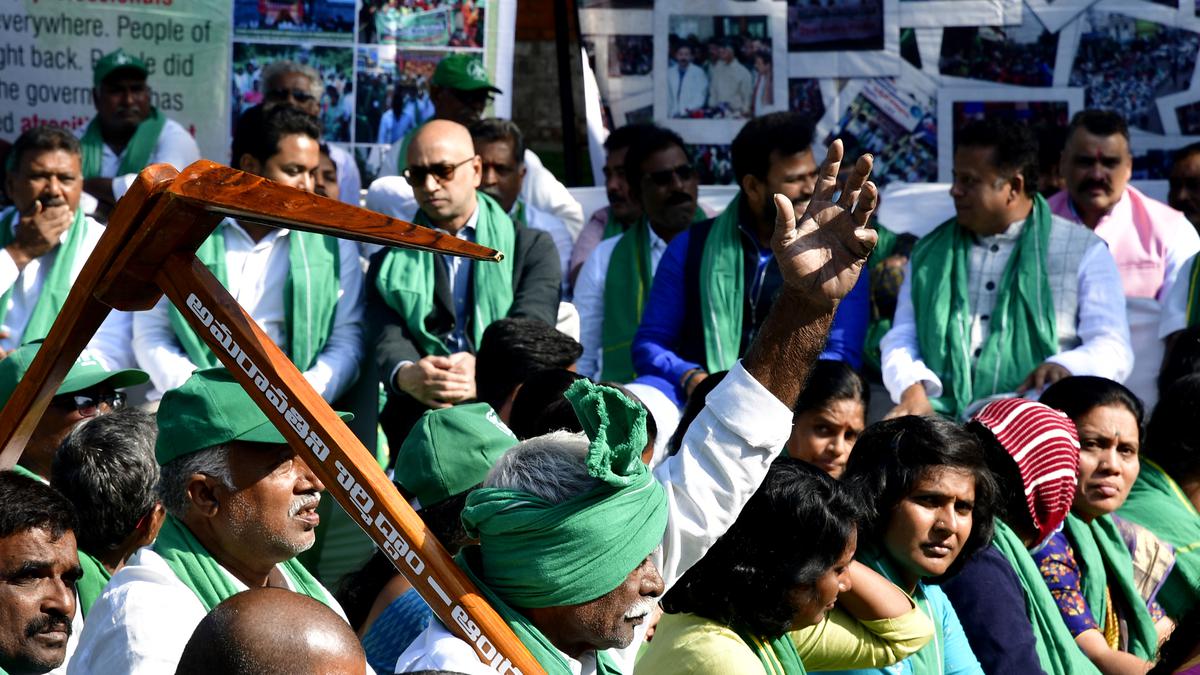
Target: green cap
{"points": [[86, 373], [450, 451], [463, 72], [210, 409], [114, 61]]}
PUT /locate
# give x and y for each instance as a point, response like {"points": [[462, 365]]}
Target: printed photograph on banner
{"points": [[898, 125], [1021, 55], [393, 92], [422, 23], [719, 67], [616, 4], [630, 55], [910, 49], [805, 95], [334, 65], [294, 19], [369, 158], [943, 13], [1055, 14], [1125, 63], [714, 164], [850, 38]]}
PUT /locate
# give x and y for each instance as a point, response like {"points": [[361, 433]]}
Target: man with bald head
{"points": [[429, 312], [272, 631]]}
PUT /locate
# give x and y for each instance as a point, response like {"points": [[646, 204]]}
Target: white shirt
{"points": [[175, 147], [110, 344], [1175, 299], [142, 621], [724, 458], [686, 92], [257, 274], [349, 180], [540, 220], [589, 300], [1101, 325]]}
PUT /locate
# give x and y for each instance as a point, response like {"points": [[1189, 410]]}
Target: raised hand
{"points": [[822, 254], [38, 231]]}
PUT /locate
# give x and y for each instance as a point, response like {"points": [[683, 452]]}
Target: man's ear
{"points": [[205, 494], [754, 188], [477, 167], [1017, 182], [148, 528]]}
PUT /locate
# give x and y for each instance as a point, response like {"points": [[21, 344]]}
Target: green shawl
{"points": [[137, 152], [91, 584], [1193, 297], [406, 279], [626, 288], [722, 289], [199, 571], [613, 227], [879, 325], [57, 282], [310, 296], [1158, 504], [1056, 648], [1023, 331], [931, 658], [1099, 548], [777, 656]]}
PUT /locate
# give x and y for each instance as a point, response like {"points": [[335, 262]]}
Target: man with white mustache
{"points": [[241, 503]]}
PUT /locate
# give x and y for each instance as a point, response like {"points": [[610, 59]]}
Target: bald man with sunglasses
{"points": [[428, 312]]}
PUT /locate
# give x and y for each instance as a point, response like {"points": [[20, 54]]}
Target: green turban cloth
{"points": [[536, 553]]}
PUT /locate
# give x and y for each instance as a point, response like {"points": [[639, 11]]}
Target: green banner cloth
{"points": [[1056, 649], [587, 545], [1023, 332], [91, 583], [310, 296], [722, 289], [1106, 566], [199, 571], [57, 283], [406, 279], [137, 151], [1158, 504]]}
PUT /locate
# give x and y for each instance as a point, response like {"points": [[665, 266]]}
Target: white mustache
{"points": [[642, 607], [305, 502]]}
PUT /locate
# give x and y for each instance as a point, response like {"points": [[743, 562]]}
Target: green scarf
{"points": [[1023, 329], [878, 326], [587, 545], [778, 656], [20, 470], [406, 279], [199, 571], [1193, 300], [1157, 503], [310, 296], [613, 227], [1056, 649], [92, 582], [626, 288], [57, 282], [722, 289], [1099, 547], [137, 152], [931, 658]]}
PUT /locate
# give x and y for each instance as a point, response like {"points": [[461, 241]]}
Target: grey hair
{"points": [[172, 484], [106, 467], [551, 466], [274, 69]]}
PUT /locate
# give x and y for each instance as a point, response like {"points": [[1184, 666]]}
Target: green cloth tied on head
{"points": [[450, 451], [536, 553]]}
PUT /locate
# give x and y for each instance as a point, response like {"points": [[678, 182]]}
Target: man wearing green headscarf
{"points": [[241, 505], [1006, 296], [578, 538]]}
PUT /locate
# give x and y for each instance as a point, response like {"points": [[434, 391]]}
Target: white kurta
{"points": [[175, 146], [724, 458]]}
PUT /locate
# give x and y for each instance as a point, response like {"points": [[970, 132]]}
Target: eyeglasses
{"points": [[298, 95], [684, 172], [88, 405], [416, 175]]}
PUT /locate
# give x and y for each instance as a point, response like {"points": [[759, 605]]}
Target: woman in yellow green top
{"points": [[780, 592]]}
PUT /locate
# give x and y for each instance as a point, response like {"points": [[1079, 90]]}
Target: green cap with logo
{"points": [[87, 372], [114, 61], [211, 409], [450, 451], [463, 72]]}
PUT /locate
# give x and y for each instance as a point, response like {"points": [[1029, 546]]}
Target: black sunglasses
{"points": [[684, 172], [88, 405], [298, 95], [416, 175]]}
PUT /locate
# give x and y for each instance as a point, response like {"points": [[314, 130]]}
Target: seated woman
{"points": [[829, 416], [1087, 565], [1007, 612], [761, 601], [1166, 495], [933, 497]]}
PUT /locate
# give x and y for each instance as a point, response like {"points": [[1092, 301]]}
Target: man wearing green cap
{"points": [[128, 133], [241, 503], [578, 538]]}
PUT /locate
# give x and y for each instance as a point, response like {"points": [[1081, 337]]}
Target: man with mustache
{"points": [[128, 133], [46, 239], [1149, 240], [717, 281], [241, 505], [1004, 297], [39, 566]]}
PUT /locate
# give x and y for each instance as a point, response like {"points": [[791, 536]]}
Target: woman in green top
{"points": [[762, 600]]}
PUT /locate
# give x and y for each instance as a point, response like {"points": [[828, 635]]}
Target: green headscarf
{"points": [[1023, 330], [406, 279], [722, 289], [1106, 565], [536, 553], [57, 282], [137, 152], [310, 296], [1158, 504]]}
